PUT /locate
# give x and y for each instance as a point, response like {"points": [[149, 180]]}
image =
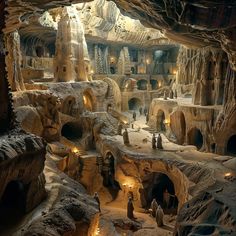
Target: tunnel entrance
{"points": [[134, 104], [108, 174], [159, 186], [160, 126], [72, 130], [195, 138], [231, 145], [12, 203]]}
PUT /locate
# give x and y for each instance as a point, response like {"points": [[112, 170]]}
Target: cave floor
{"points": [[140, 142], [145, 220]]}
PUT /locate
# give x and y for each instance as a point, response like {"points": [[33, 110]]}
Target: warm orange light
{"points": [[174, 72], [227, 174], [85, 99], [148, 61], [75, 150], [112, 59], [97, 231], [166, 121], [91, 71]]}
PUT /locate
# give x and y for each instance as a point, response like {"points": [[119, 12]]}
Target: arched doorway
{"points": [[160, 126], [88, 101], [72, 130], [134, 103], [12, 203], [178, 126], [142, 84], [160, 187], [231, 145], [195, 138]]}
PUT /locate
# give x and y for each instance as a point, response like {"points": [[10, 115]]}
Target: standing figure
{"points": [[119, 129], [96, 197], [175, 94], [171, 94], [165, 95], [147, 118], [154, 141], [159, 216], [145, 110], [154, 207], [134, 116], [166, 199], [130, 209], [105, 172], [140, 111], [159, 142], [126, 137]]}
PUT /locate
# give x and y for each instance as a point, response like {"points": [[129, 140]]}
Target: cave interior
{"points": [[109, 106]]}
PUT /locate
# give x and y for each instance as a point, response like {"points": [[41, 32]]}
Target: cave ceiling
{"points": [[195, 23]]}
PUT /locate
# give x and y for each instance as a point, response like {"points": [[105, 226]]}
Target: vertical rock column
{"points": [[7, 116], [71, 59], [13, 61], [124, 64]]}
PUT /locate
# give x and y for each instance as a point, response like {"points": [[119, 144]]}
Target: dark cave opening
{"points": [[159, 186], [39, 51], [195, 138], [160, 126], [12, 203], [72, 130], [134, 103], [231, 145]]}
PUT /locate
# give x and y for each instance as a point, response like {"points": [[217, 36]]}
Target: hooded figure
{"points": [[130, 209], [159, 142], [159, 216], [153, 141], [154, 206]]}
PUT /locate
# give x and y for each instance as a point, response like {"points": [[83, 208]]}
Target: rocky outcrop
{"points": [[22, 159]]}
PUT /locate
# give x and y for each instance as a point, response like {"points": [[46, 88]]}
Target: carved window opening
{"points": [[195, 138]]}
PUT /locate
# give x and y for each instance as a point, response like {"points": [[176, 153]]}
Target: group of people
{"points": [[157, 212], [157, 141], [156, 209]]}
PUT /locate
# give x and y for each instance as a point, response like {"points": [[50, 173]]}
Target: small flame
{"points": [[75, 150], [227, 174]]}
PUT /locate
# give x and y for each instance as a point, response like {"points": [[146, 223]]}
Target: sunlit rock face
{"points": [[71, 60]]}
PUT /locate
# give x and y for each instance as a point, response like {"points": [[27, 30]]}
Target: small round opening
{"points": [[72, 131]]}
